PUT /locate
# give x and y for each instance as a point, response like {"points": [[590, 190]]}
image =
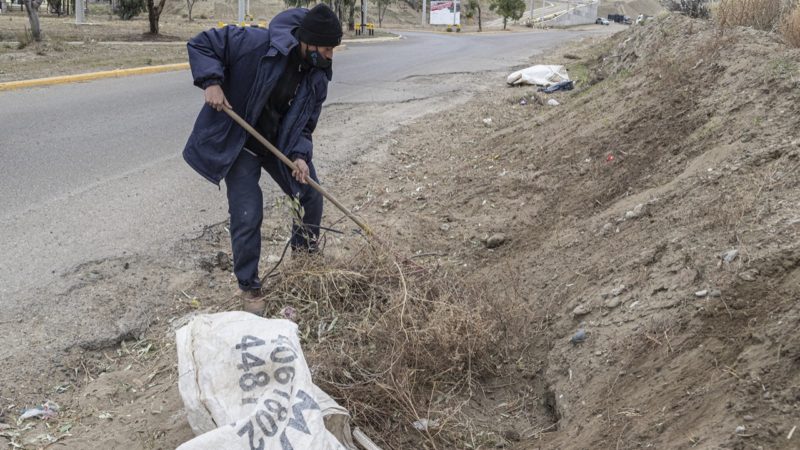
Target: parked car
{"points": [[601, 21], [620, 18]]}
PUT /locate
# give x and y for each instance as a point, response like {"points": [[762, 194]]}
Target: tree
{"points": [[383, 5], [189, 6], [154, 13], [128, 9], [472, 7], [512, 9], [32, 7], [351, 14]]}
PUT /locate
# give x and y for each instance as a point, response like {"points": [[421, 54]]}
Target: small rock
{"points": [[715, 293], [702, 293], [512, 435], [749, 275], [579, 336], [740, 429], [748, 418], [487, 121], [630, 215], [553, 102], [496, 240], [729, 256], [613, 302], [617, 291], [444, 227], [598, 353], [607, 228], [580, 310], [638, 209]]}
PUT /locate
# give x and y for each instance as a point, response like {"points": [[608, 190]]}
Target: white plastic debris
{"points": [[245, 384], [425, 424], [46, 411], [540, 75], [553, 102]]}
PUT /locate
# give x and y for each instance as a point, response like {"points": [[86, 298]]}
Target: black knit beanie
{"points": [[320, 27]]}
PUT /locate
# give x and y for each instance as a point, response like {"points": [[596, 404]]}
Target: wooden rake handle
{"points": [[290, 163]]}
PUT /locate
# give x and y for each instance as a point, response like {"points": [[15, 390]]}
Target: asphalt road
{"points": [[93, 170]]}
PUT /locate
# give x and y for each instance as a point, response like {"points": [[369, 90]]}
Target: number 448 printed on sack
{"points": [[272, 411]]}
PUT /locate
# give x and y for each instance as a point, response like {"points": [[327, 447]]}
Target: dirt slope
{"points": [[617, 207]]}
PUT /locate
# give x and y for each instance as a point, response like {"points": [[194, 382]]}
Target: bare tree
{"points": [[383, 5], [472, 7], [189, 6], [32, 7], [154, 13]]}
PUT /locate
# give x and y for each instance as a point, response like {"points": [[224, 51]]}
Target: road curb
{"points": [[11, 85]]}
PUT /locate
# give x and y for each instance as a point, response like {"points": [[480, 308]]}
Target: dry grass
{"points": [[759, 14], [395, 341], [790, 28]]}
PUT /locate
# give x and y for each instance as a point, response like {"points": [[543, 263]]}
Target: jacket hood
{"points": [[282, 28]]}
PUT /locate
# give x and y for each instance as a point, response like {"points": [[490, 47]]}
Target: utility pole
{"points": [[422, 18], [542, 14], [363, 16], [531, 12], [241, 11], [80, 16]]}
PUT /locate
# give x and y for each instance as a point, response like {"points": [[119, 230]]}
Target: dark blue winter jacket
{"points": [[247, 63]]}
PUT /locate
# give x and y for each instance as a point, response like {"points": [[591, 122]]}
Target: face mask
{"points": [[315, 59]]}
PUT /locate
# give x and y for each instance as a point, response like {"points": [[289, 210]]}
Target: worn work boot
{"points": [[253, 301]]}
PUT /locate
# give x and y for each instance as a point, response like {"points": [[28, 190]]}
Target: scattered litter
{"points": [[702, 293], [540, 75], [610, 157], [425, 424], [46, 411], [553, 102], [729, 256], [789, 436], [487, 121], [618, 290], [740, 429], [579, 336], [523, 102], [749, 275], [105, 415], [289, 313], [562, 86]]}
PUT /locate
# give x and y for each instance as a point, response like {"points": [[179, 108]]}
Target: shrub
{"points": [[790, 29], [692, 8], [759, 14], [24, 39], [128, 9]]}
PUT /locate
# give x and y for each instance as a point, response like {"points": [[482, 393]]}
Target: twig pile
{"points": [[393, 341]]}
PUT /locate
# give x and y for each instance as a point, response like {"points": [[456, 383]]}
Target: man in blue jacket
{"points": [[277, 80]]}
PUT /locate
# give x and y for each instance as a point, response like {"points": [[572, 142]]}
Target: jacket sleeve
{"points": [[305, 147], [212, 51]]}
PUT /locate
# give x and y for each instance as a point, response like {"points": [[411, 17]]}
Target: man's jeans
{"points": [[246, 208]]}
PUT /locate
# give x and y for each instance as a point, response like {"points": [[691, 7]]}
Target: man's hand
{"points": [[302, 170], [215, 97]]}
